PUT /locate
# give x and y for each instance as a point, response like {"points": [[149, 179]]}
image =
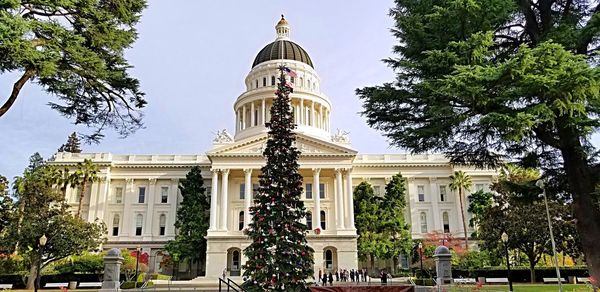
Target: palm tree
{"points": [[462, 182], [85, 173]]}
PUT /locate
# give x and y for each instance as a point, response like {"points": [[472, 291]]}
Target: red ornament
{"points": [[317, 231]]}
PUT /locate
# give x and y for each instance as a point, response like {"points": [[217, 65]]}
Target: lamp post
{"points": [[540, 184], [137, 263], [421, 256], [42, 242], [504, 238]]}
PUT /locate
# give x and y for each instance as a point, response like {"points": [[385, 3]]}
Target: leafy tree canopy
{"points": [[75, 51]]}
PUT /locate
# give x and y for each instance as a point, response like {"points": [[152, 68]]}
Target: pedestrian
{"points": [[324, 279], [365, 275], [337, 275], [351, 275], [330, 279], [320, 276]]}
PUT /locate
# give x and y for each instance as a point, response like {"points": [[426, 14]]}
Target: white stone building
{"points": [[137, 195]]}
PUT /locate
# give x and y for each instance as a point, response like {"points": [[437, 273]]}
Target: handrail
{"points": [[235, 284], [226, 284]]}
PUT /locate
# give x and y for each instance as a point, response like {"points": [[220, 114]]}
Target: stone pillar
{"points": [[247, 196], [433, 190], [264, 112], [317, 198], [244, 117], [350, 201], [312, 114], [150, 207], [93, 205], [302, 111], [172, 200], [103, 198], [224, 198], [339, 202], [127, 200], [414, 213], [443, 265], [213, 199], [112, 271], [252, 115]]}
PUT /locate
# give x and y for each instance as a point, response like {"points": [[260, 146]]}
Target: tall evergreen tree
{"points": [[73, 145], [490, 80], [7, 210], [279, 258], [192, 219], [394, 218], [35, 161], [74, 50], [371, 243]]}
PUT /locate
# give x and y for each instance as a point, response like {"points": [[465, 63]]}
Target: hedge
{"points": [[521, 274]]}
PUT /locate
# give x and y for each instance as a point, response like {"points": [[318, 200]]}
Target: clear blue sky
{"points": [[192, 58]]}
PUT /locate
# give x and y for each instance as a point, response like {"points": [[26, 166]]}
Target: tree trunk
{"points": [[372, 261], [81, 195], [32, 276], [394, 264], [532, 271], [464, 221], [15, 91], [581, 183]]}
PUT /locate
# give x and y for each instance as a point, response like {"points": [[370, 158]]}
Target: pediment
{"points": [[254, 146]]}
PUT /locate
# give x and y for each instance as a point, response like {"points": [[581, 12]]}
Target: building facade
{"points": [[137, 195]]}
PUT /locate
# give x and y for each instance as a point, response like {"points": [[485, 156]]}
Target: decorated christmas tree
{"points": [[279, 258]]}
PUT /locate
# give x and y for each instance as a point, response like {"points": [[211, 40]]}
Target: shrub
{"points": [[132, 285], [85, 263]]}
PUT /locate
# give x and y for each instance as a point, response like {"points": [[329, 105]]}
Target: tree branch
{"points": [[15, 91]]}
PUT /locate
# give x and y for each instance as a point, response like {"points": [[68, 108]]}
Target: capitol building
{"points": [[137, 195]]}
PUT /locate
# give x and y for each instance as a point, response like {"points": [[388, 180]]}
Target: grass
{"points": [[526, 288]]}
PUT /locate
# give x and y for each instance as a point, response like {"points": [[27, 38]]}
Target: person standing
{"points": [[330, 279], [324, 279], [365, 275], [351, 275], [320, 276], [337, 275]]}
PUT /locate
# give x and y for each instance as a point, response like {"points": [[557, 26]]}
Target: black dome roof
{"points": [[291, 51]]}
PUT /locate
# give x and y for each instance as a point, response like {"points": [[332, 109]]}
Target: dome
{"points": [[441, 250], [291, 51]]}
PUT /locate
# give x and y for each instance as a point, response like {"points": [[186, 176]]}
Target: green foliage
{"points": [[279, 257], [192, 219], [7, 209], [73, 145], [132, 284], [75, 51], [494, 80], [478, 202], [366, 212], [461, 182], [86, 172], [12, 264], [472, 260], [35, 161], [393, 214], [92, 263], [128, 268]]}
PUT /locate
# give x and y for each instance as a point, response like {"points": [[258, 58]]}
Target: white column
{"points": [[339, 202], [317, 198], [264, 112], [224, 198], [414, 213], [93, 205], [433, 190], [252, 115], [127, 200], [312, 113], [104, 190], [243, 117], [213, 199], [350, 201], [172, 200], [149, 207], [302, 112], [237, 120], [247, 196]]}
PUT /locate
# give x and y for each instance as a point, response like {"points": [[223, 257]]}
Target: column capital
{"points": [[316, 171], [433, 179], [217, 170], [348, 170], [248, 170], [411, 179], [338, 170], [129, 180], [174, 180], [102, 179], [225, 171], [152, 181], [387, 179]]}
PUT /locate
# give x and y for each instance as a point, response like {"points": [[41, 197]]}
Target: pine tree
{"points": [[393, 217], [35, 161], [192, 219], [72, 144], [279, 258]]}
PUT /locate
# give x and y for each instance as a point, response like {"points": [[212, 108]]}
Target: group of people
{"points": [[343, 275]]}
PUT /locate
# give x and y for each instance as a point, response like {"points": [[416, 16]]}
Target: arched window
{"points": [[264, 81], [256, 83], [139, 222], [423, 222], [301, 82], [162, 223], [272, 80], [116, 222], [323, 217], [309, 220], [235, 260], [328, 259], [241, 221], [256, 117], [446, 222], [292, 79]]}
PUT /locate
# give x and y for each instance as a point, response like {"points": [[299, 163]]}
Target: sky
{"points": [[191, 59]]}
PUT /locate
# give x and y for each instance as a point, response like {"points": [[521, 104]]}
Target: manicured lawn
{"points": [[527, 288]]}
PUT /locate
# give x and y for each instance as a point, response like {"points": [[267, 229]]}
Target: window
{"points": [[446, 222], [142, 195], [118, 195], [74, 195], [323, 221], [256, 117], [272, 80], [256, 84], [139, 221], [301, 82], [478, 187], [423, 222], [164, 194], [292, 79], [162, 223], [235, 260], [254, 188], [264, 81], [421, 192], [309, 118], [241, 221], [443, 197], [242, 191], [115, 229], [322, 191], [328, 259], [309, 220], [308, 190], [377, 191]]}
